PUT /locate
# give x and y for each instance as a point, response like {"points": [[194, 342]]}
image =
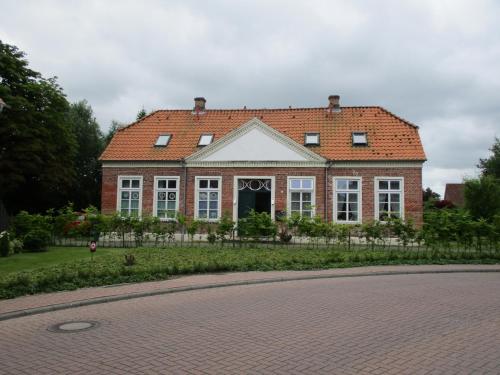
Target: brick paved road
{"points": [[407, 324]]}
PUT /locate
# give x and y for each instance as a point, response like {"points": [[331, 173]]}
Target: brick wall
{"points": [[412, 186]]}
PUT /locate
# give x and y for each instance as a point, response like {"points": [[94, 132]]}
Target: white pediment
{"points": [[255, 141]]}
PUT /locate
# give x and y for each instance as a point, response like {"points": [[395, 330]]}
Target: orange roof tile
{"points": [[389, 137]]}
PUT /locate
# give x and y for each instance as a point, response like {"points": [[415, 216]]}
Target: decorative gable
{"points": [[258, 142]]}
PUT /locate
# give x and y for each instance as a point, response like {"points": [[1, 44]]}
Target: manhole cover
{"points": [[73, 326]]}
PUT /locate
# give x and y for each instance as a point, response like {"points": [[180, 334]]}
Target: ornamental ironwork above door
{"points": [[254, 184]]}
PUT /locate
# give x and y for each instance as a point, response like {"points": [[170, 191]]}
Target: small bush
{"points": [[4, 244], [36, 240], [16, 246]]}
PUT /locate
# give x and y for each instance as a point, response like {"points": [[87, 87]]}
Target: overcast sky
{"points": [[435, 63]]}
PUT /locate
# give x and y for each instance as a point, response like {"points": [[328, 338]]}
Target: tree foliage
{"points": [[89, 146], [141, 114], [491, 165], [37, 145], [482, 197]]}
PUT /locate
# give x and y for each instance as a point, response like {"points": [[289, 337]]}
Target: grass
{"points": [[71, 268]]}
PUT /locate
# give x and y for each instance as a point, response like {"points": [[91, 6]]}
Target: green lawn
{"points": [[66, 268], [54, 256]]}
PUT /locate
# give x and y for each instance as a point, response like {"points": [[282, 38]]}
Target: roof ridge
{"points": [[265, 109], [138, 121], [400, 118]]}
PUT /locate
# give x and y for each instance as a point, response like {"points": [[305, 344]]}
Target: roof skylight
{"points": [[359, 139], [311, 139], [163, 140], [205, 139]]}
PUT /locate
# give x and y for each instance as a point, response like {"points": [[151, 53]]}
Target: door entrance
{"points": [[253, 194]]}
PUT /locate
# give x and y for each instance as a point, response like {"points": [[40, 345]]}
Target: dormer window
{"points": [[359, 139], [311, 139], [205, 139], [163, 140]]}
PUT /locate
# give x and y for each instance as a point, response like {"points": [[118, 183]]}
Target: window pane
{"points": [[307, 213], [203, 184], [161, 205], [306, 197], [213, 214], [124, 212], [295, 197], [172, 184], [125, 183], [135, 183], [214, 184], [202, 214], [203, 205], [162, 184], [383, 185], [162, 196], [341, 206], [125, 194], [383, 207], [341, 216], [135, 195], [214, 196], [383, 197], [353, 197], [395, 185], [171, 205], [124, 204], [394, 207], [341, 184], [353, 216], [295, 206], [134, 204], [161, 214], [172, 196], [395, 214], [353, 207], [213, 205], [341, 197], [295, 184], [394, 197], [203, 196], [171, 214], [306, 205], [353, 185], [307, 184]]}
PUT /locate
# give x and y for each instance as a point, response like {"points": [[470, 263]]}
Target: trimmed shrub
{"points": [[4, 244], [36, 240]]}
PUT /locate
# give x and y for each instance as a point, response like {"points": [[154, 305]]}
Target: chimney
{"points": [[199, 104], [334, 105]]}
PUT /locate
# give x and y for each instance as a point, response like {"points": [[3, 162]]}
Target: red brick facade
{"points": [[412, 186]]}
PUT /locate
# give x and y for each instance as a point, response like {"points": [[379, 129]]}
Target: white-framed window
{"points": [[359, 139], [205, 139], [129, 195], [162, 140], [347, 199], [166, 197], [311, 139], [301, 196], [389, 198], [208, 198]]}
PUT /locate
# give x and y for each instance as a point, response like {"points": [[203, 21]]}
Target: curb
{"points": [[123, 297]]}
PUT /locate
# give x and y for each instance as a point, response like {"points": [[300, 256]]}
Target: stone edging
{"points": [[126, 296]]}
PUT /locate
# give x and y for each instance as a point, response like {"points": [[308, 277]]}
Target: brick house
{"points": [[347, 164]]}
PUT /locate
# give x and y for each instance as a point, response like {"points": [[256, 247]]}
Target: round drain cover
{"points": [[73, 326]]}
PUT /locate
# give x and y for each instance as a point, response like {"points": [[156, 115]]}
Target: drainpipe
{"points": [[184, 187], [328, 166]]}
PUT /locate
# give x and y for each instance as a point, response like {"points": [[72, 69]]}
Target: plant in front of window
{"points": [[225, 228], [284, 229], [192, 227]]}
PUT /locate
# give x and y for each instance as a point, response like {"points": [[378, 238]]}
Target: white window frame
{"points": [[163, 144], [119, 190], [401, 191], [306, 143], [196, 197], [290, 190], [359, 191], [205, 135], [155, 195]]}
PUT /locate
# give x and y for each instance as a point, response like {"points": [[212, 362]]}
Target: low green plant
{"points": [[4, 244], [36, 240]]}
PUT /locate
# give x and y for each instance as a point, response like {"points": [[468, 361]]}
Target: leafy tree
{"points": [[429, 195], [142, 113], [115, 125], [482, 197], [37, 145], [89, 140], [491, 165]]}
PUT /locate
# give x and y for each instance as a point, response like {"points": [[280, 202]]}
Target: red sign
{"points": [[93, 246]]}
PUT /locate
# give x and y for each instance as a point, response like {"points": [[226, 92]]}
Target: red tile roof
{"points": [[455, 194], [389, 137]]}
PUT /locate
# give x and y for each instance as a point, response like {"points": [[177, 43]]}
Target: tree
{"points": [[429, 195], [142, 113], [491, 165], [89, 141], [37, 146], [115, 125], [482, 197]]}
